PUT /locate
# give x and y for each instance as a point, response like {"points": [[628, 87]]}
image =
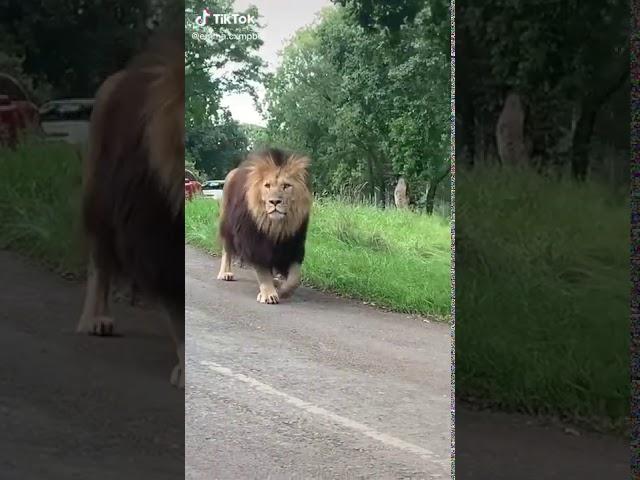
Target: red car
{"points": [[192, 186], [18, 115]]}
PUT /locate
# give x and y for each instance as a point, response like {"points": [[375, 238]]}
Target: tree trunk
{"points": [[431, 198], [380, 170], [465, 131], [386, 179], [431, 192], [372, 179], [464, 121], [383, 193], [400, 196], [581, 140], [591, 104]]}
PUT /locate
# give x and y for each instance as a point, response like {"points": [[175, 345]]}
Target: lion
{"points": [[132, 193], [266, 204]]}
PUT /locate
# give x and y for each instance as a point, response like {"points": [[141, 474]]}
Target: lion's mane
{"points": [[245, 229]]}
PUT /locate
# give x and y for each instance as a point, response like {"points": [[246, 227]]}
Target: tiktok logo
{"points": [[224, 18], [201, 20]]}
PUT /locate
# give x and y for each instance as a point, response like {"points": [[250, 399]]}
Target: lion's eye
{"points": [[286, 185], [267, 185]]}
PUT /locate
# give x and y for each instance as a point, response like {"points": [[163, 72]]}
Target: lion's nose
{"points": [[275, 202]]}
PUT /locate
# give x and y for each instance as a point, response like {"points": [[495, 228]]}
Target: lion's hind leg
{"points": [[292, 281], [95, 318], [225, 267]]}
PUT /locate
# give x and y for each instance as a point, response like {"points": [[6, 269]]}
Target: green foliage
{"points": [[390, 16], [368, 108], [74, 44], [565, 58], [395, 259], [40, 204], [534, 46], [11, 65], [542, 310], [217, 62], [216, 149], [256, 136]]}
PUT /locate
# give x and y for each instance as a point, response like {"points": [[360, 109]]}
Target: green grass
{"points": [[542, 296], [542, 277], [395, 259], [39, 204]]}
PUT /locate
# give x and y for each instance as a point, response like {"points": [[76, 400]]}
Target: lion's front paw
{"points": [[268, 295], [226, 276], [100, 325], [177, 375]]}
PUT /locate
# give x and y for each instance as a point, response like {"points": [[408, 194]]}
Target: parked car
{"points": [[213, 188], [18, 115], [67, 120], [192, 186]]}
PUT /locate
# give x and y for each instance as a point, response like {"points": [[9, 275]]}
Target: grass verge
{"points": [[395, 259], [542, 296], [39, 204]]}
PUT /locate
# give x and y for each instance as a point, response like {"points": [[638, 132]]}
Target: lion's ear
{"points": [[300, 164]]}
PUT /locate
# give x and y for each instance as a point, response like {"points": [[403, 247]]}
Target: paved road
{"points": [[77, 406], [498, 446], [320, 388], [334, 390], [316, 387]]}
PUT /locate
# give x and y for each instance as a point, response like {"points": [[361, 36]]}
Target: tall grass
{"points": [[542, 295], [392, 258], [542, 272], [39, 204]]}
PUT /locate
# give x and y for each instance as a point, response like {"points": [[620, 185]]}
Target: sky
{"points": [[281, 19]]}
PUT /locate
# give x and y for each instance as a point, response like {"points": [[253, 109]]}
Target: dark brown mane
{"points": [[132, 214]]}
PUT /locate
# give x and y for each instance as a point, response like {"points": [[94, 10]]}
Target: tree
{"points": [[565, 58], [75, 44], [351, 92], [219, 59]]}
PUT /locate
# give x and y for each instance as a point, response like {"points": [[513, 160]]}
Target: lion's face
{"points": [[278, 194]]}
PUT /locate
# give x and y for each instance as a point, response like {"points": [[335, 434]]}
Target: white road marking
{"points": [[322, 412]]}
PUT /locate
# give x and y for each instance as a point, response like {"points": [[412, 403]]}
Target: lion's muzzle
{"points": [[276, 209]]}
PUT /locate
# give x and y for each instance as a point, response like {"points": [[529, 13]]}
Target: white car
{"points": [[213, 189], [67, 120]]}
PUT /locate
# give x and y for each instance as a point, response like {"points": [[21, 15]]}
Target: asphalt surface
{"points": [[315, 387], [322, 388], [499, 446], [75, 406]]}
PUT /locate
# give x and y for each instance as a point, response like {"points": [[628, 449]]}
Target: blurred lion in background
{"points": [[266, 204], [133, 194]]}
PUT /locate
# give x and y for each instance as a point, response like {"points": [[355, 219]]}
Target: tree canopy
{"points": [[566, 59], [71, 46], [367, 95], [219, 59]]}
